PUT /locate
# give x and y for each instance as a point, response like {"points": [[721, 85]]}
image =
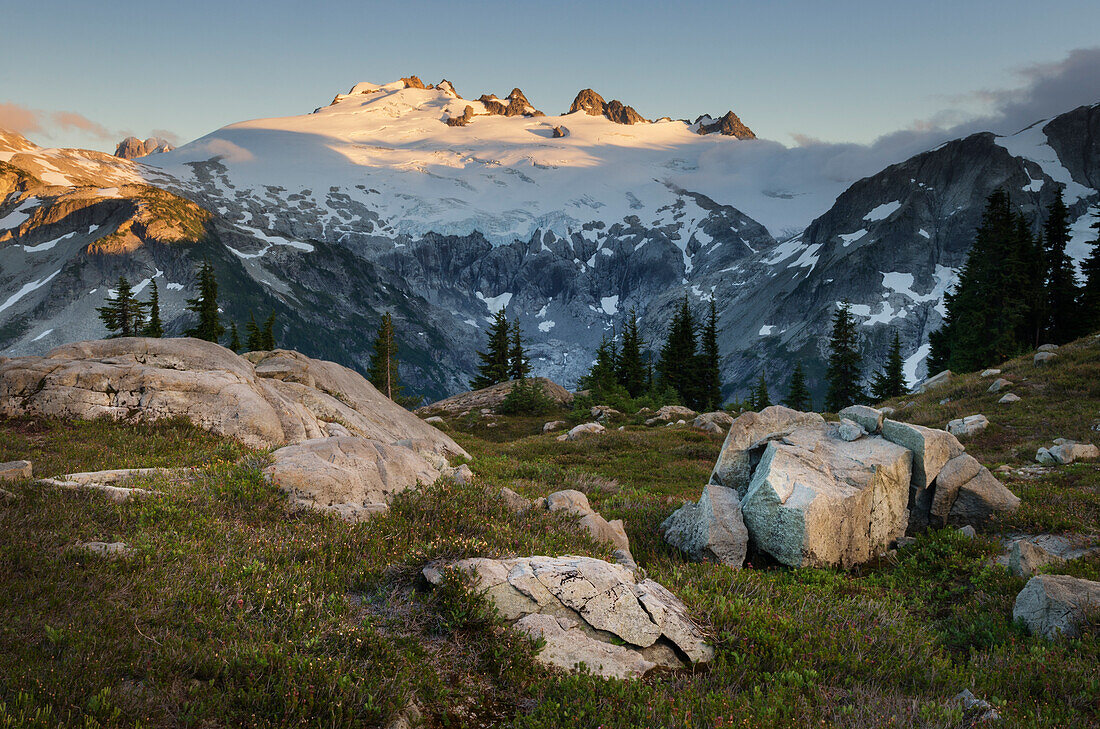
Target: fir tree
{"points": [[205, 305], [890, 382], [234, 338], [845, 373], [798, 395], [630, 370], [153, 327], [1090, 291], [678, 366], [123, 315], [267, 335], [602, 378], [992, 311], [710, 384], [760, 397], [383, 360], [495, 361], [519, 366], [254, 338], [1061, 293]]}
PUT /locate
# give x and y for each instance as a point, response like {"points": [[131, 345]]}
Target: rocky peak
{"points": [[132, 147], [594, 105], [517, 105], [729, 125], [413, 82], [447, 87]]}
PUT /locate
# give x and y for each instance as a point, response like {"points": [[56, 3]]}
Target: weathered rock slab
{"points": [[354, 477], [577, 602]]}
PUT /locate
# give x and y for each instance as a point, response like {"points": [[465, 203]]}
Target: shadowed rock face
{"points": [[594, 105], [132, 147]]}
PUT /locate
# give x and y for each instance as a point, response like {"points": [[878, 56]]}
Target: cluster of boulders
{"points": [[341, 444], [808, 492], [1064, 452], [968, 426], [605, 616]]}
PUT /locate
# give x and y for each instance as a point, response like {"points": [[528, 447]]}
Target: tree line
{"points": [[126, 316]]}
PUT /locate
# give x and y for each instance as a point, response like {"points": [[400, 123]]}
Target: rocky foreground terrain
{"points": [[194, 536], [395, 198]]}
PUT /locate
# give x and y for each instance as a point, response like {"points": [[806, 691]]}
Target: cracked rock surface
{"points": [[589, 611]]}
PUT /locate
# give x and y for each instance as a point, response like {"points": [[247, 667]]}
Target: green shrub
{"points": [[527, 398]]}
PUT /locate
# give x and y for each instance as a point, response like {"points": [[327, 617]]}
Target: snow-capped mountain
{"points": [[409, 198]]}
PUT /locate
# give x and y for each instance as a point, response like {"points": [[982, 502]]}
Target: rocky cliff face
{"points": [[132, 147]]}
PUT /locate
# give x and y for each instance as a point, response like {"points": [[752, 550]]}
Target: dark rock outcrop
{"points": [[517, 105], [461, 121], [729, 125], [594, 105], [413, 82], [132, 147]]}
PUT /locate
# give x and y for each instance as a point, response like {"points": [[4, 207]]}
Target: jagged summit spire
{"points": [[593, 104]]}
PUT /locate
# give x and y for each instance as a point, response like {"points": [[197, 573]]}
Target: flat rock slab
{"points": [[354, 477], [490, 398], [586, 608]]}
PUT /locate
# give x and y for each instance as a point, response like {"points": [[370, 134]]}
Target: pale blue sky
{"points": [[838, 71]]}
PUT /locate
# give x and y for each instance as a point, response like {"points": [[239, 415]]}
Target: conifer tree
{"points": [[205, 306], [630, 369], [495, 361], [519, 366], [677, 368], [760, 397], [234, 337], [602, 378], [383, 372], [153, 327], [123, 315], [1061, 292], [254, 338], [890, 382], [710, 384], [267, 335], [992, 311], [798, 395], [844, 373], [1090, 291]]}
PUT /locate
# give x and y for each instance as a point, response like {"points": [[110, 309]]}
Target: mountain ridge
{"points": [[565, 232]]}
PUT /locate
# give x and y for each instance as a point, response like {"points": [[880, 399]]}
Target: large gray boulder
{"points": [[817, 500], [711, 529], [735, 462], [589, 611], [263, 399], [349, 476], [869, 418], [1052, 605]]}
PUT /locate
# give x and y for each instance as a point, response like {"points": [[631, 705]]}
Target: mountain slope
{"points": [[408, 197]]}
